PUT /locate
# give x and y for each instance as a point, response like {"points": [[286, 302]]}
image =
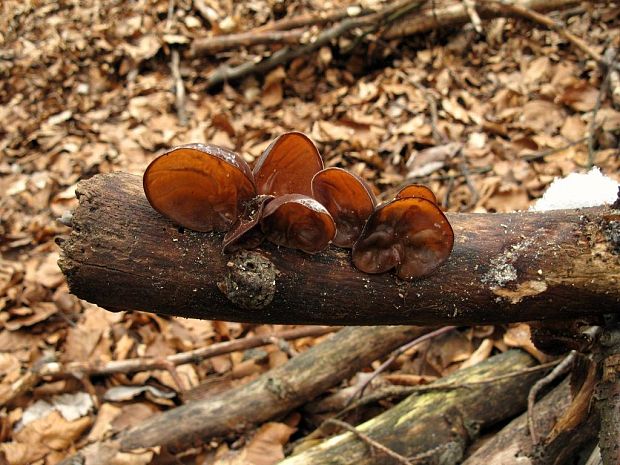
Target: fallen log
{"points": [[274, 393], [123, 255], [437, 425]]}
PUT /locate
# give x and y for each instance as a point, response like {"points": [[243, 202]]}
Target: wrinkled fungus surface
{"points": [[411, 235]]}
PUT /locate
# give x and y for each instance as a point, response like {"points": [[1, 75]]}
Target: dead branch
{"points": [[273, 393], [55, 370], [286, 54], [513, 444], [422, 422], [122, 255], [321, 17], [456, 14], [244, 39]]}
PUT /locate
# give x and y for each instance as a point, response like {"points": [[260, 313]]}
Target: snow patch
{"points": [[578, 190]]}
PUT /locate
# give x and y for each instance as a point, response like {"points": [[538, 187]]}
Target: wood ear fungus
{"points": [[298, 222], [348, 199], [410, 234], [201, 187], [288, 165], [417, 190]]}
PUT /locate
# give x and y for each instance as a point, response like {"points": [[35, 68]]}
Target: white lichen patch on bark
{"points": [[502, 270]]}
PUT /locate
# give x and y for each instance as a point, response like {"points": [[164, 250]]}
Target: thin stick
{"points": [[543, 154], [56, 370], [385, 365], [562, 367], [403, 391], [597, 107], [470, 7], [313, 18], [179, 87], [368, 440], [213, 44]]}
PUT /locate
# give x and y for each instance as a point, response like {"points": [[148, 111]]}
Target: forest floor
{"points": [[487, 120]]}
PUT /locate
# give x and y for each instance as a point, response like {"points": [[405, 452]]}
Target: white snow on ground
{"points": [[578, 190]]}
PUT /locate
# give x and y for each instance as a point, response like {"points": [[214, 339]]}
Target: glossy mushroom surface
{"points": [[416, 190], [288, 165], [298, 222], [409, 234], [201, 187], [245, 233], [348, 199]]}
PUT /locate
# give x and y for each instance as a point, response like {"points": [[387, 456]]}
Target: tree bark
{"points": [[436, 425], [123, 255]]}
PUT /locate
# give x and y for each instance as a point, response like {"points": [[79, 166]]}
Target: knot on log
{"points": [[250, 281]]}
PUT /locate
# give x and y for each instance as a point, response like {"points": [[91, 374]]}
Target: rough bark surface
{"points": [[440, 421], [123, 255]]}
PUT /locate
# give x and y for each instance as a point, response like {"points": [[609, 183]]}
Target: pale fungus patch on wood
{"points": [[250, 281]]}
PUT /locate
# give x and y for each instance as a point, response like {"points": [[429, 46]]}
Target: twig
{"points": [[470, 7], [314, 18], [402, 391], [394, 355], [179, 87], [597, 106], [207, 45], [545, 153], [502, 7], [225, 73], [558, 371], [56, 370], [368, 440], [470, 185]]}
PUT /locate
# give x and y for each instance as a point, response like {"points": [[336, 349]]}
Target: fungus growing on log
{"points": [[348, 199], [288, 165], [292, 201], [200, 187], [410, 234], [416, 190], [298, 222]]}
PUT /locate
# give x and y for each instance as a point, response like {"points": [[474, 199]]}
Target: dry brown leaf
{"points": [[519, 335], [265, 448]]}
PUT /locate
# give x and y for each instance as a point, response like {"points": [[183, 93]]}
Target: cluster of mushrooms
{"points": [[291, 200]]}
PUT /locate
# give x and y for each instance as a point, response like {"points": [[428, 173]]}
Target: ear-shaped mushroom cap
{"points": [[288, 165], [348, 199], [298, 222], [416, 190], [244, 233], [410, 234], [199, 186]]}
